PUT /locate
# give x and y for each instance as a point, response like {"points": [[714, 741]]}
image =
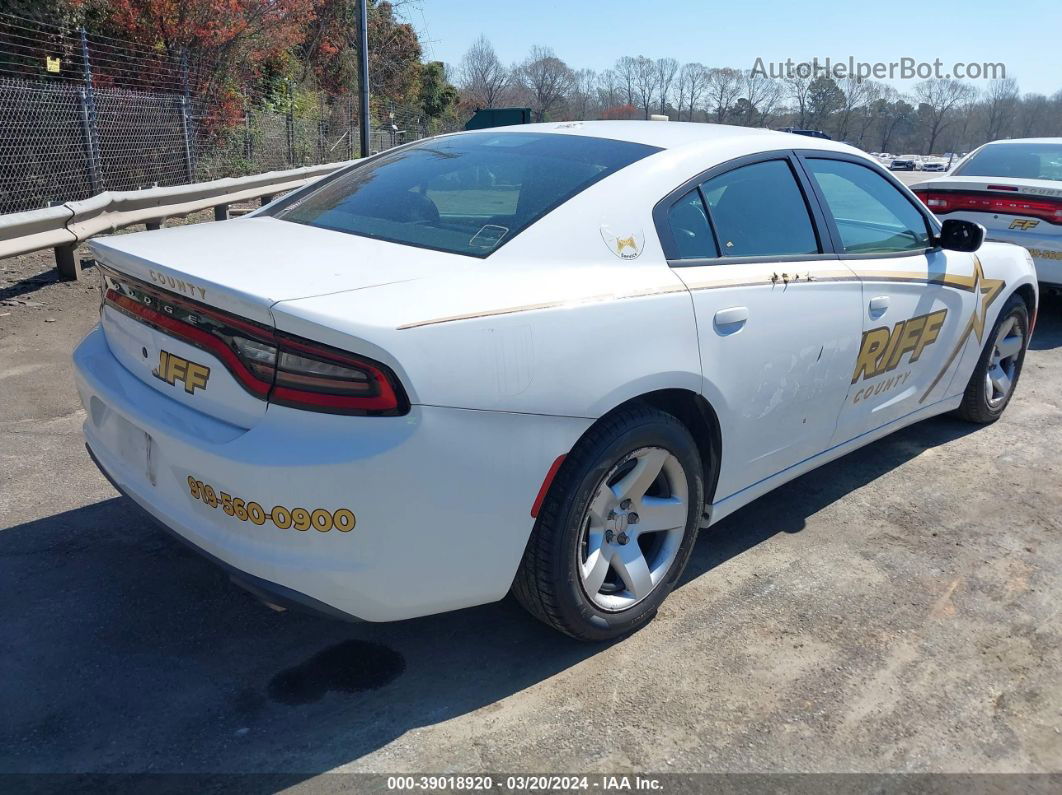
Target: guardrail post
{"points": [[221, 212], [151, 226], [68, 265]]}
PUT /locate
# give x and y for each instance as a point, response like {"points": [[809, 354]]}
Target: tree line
{"points": [[937, 115]]}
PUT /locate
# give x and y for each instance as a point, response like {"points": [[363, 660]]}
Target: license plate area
{"points": [[134, 446]]}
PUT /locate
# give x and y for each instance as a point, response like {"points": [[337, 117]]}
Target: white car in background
{"points": [[536, 358], [1012, 188]]}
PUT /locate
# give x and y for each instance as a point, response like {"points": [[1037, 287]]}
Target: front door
{"points": [[916, 298], [778, 318]]}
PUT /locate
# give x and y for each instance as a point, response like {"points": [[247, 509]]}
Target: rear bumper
{"points": [[1046, 254], [268, 592], [441, 496]]}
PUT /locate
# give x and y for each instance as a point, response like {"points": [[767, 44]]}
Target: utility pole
{"points": [[363, 72]]}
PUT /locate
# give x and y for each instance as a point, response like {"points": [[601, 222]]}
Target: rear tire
{"points": [[996, 375], [615, 530]]}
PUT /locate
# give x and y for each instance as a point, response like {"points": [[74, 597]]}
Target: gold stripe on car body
{"points": [[592, 299], [782, 278]]}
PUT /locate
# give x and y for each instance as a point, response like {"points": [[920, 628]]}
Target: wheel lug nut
{"points": [[623, 538], [625, 504], [632, 518], [608, 536]]}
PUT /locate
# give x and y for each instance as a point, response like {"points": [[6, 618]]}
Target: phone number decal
{"points": [[301, 519]]}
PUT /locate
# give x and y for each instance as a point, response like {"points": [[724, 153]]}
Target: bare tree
{"points": [[867, 113], [645, 82], [723, 88], [481, 76], [692, 82], [769, 97], [546, 78], [1032, 115], [609, 88], [798, 87], [856, 92], [761, 95], [626, 69], [665, 76], [1001, 99], [584, 95], [937, 98]]}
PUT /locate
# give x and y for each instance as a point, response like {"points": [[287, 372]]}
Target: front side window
{"points": [[759, 210], [872, 216], [1017, 160], [465, 194]]}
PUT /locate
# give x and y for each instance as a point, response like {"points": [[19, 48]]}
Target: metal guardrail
{"points": [[65, 226]]}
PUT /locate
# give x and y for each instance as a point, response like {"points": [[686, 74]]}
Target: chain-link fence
{"points": [[80, 114]]}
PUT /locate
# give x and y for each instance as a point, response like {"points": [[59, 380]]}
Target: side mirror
{"points": [[956, 235]]}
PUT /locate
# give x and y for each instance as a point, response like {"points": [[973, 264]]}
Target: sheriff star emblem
{"points": [[985, 291]]}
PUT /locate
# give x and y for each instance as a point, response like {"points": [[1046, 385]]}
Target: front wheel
{"points": [[996, 374], [616, 528]]}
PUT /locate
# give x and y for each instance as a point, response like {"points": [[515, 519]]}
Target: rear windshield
{"points": [[466, 194], [1022, 161]]}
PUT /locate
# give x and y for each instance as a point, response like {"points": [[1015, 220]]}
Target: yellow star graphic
{"points": [[985, 292]]}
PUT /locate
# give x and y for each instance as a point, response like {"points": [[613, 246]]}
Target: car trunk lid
{"points": [[167, 289]]}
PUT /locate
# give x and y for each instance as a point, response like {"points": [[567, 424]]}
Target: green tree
{"points": [[824, 99], [437, 96]]}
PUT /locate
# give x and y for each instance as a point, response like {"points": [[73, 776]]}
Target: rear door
{"points": [[916, 298], [778, 318]]}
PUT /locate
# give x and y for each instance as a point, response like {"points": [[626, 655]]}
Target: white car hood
{"points": [[246, 265]]}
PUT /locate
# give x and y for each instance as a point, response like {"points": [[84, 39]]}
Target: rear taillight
{"points": [[943, 202], [271, 365]]}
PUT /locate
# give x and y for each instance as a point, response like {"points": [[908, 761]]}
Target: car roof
{"points": [[675, 134], [1026, 141]]}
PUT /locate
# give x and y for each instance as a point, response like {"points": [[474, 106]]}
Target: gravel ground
{"points": [[895, 611]]}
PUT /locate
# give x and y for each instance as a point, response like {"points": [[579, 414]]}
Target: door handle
{"points": [[730, 320], [878, 305]]}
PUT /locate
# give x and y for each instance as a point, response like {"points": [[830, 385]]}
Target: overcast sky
{"points": [[1026, 36]]}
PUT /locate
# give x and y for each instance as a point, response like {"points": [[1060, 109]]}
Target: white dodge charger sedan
{"points": [[1012, 188], [536, 359]]}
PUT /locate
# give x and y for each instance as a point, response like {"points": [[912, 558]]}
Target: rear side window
{"points": [[466, 194], [872, 216], [759, 210], [1017, 160], [690, 229]]}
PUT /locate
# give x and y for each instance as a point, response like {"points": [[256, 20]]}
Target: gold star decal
{"points": [[985, 292]]}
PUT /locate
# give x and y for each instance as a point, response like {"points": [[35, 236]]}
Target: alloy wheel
{"points": [[633, 528]]}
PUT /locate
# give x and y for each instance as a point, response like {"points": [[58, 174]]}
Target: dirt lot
{"points": [[897, 610]]}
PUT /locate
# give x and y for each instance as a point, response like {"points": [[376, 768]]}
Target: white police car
{"points": [[1012, 188], [536, 358]]}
